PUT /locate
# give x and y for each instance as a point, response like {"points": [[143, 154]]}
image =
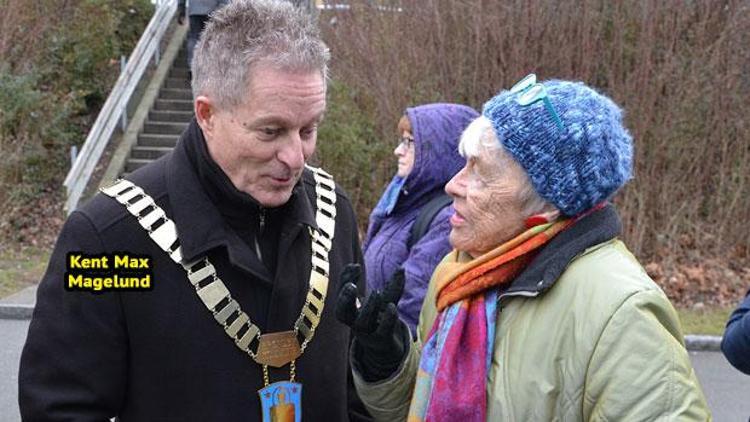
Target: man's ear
{"points": [[205, 114]]}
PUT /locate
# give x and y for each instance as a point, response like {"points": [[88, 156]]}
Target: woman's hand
{"points": [[380, 338]]}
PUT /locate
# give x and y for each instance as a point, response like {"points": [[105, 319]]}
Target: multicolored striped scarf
{"points": [[452, 377]]}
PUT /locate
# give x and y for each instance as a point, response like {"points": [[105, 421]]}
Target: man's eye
{"points": [[270, 131], [308, 132]]}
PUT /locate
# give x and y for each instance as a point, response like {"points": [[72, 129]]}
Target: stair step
{"points": [[135, 163], [175, 94], [181, 83], [170, 116], [165, 128], [178, 71], [154, 140], [174, 105], [150, 153]]}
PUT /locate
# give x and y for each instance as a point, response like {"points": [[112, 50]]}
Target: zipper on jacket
{"points": [[523, 293], [261, 227], [262, 222]]}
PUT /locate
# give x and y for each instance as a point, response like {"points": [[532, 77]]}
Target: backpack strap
{"points": [[425, 217]]}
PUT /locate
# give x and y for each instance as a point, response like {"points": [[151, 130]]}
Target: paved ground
{"points": [[727, 391], [13, 333]]}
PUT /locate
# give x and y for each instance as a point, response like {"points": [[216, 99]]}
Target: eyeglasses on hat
{"points": [[528, 92]]}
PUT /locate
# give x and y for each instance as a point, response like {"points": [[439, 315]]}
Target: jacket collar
{"points": [[201, 225], [542, 273]]}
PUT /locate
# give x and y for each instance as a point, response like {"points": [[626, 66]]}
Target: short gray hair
{"points": [[480, 133], [245, 33]]}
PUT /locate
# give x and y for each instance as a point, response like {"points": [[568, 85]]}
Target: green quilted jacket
{"points": [[595, 339]]}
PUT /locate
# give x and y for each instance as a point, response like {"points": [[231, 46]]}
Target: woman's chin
{"points": [[458, 240]]}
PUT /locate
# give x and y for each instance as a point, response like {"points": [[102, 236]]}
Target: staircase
{"points": [[168, 117], [164, 111]]}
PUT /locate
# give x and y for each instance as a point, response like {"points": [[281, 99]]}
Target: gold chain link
{"points": [[292, 373], [215, 279]]}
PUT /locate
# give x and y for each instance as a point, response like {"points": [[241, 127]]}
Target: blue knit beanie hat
{"points": [[573, 162]]}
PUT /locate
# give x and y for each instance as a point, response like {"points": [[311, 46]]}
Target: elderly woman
{"points": [[541, 312], [399, 235]]}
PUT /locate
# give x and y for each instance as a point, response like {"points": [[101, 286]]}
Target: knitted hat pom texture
{"points": [[574, 168]]}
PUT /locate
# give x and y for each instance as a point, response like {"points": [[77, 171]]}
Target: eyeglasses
{"points": [[530, 92], [405, 142]]}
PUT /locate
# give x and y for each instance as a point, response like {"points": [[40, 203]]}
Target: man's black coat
{"points": [[159, 355]]}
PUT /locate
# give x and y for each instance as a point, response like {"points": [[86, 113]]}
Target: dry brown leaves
{"points": [[708, 282], [35, 223]]}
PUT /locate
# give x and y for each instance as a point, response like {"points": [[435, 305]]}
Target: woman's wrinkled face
{"points": [[487, 198]]}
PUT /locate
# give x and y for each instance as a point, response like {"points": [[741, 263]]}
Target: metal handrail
{"points": [[116, 104]]}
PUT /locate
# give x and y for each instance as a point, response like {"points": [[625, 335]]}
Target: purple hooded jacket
{"points": [[437, 129]]}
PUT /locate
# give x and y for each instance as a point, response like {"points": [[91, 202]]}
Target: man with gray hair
{"points": [[197, 12], [200, 288]]}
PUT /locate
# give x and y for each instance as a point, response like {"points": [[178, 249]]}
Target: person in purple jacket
{"points": [[736, 341], [427, 159]]}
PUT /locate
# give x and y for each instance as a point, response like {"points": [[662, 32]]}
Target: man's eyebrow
{"points": [[316, 121], [269, 120], [276, 120]]}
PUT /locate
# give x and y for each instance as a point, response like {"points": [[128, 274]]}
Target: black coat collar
{"points": [[200, 224], [598, 227]]}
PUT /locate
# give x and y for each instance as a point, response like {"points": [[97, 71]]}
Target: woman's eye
{"points": [[473, 169]]}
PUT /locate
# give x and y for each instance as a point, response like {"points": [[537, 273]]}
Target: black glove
{"points": [[180, 14], [380, 339]]}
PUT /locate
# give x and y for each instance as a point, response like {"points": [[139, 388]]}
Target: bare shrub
{"points": [[680, 69]]}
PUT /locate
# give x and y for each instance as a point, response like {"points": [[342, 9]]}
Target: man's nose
{"points": [[291, 153]]}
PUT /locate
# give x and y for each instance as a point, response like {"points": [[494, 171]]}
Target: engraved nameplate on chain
{"points": [[277, 349]]}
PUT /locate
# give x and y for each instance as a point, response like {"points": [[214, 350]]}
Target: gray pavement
{"points": [[19, 305], [727, 390], [13, 333], [26, 296]]}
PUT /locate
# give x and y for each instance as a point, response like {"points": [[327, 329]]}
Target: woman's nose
{"points": [[456, 187]]}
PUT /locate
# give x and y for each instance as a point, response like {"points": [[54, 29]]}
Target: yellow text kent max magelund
{"points": [[96, 273], [103, 262]]}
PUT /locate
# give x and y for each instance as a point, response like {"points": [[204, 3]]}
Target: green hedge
{"points": [[59, 62]]}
